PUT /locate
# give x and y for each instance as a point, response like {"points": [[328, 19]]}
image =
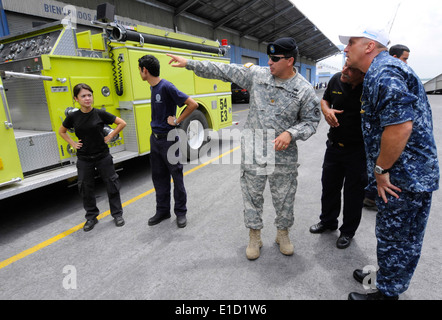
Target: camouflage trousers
{"points": [[400, 229], [283, 184]]}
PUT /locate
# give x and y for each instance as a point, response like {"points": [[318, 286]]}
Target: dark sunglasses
{"points": [[276, 59]]}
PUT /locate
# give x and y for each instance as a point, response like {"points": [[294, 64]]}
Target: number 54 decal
{"points": [[223, 108]]}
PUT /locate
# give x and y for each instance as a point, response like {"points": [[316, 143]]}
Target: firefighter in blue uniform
{"points": [[165, 98]]}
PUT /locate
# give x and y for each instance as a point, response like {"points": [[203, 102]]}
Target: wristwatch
{"points": [[176, 123], [380, 170]]}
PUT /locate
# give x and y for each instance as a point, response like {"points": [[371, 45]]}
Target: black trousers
{"points": [[86, 185], [344, 167], [162, 172]]}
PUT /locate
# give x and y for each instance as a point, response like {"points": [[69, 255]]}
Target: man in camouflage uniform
{"points": [[283, 108], [401, 158]]}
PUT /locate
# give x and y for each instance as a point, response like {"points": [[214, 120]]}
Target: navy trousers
{"points": [[162, 172], [344, 167], [86, 185], [400, 230]]}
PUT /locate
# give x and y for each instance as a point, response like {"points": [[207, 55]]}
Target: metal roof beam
{"points": [[157, 4], [185, 14], [303, 29], [273, 34], [315, 45], [185, 6], [316, 49], [235, 13], [303, 33], [310, 38], [266, 21]]}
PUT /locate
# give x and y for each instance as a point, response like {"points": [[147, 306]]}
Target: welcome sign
{"points": [[58, 11]]}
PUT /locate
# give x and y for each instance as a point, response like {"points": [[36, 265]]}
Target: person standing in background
{"points": [[401, 52], [344, 161]]}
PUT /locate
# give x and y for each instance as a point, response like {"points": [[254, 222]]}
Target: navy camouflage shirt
{"points": [[393, 94]]}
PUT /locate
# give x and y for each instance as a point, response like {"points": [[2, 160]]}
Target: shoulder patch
{"points": [[248, 64]]}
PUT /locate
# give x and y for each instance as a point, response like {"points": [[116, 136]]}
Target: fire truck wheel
{"points": [[195, 127]]}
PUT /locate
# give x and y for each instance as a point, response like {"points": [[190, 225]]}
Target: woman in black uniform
{"points": [[93, 153]]}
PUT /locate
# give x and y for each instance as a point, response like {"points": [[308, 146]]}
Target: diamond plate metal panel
{"points": [[67, 45], [37, 150], [28, 105], [130, 131]]}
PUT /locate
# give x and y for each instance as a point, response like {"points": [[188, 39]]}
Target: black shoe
{"points": [[371, 296], [119, 221], [89, 225], [343, 241], [360, 275], [157, 218], [181, 221], [370, 204], [320, 228]]}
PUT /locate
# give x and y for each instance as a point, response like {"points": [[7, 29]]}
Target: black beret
{"points": [[283, 46]]}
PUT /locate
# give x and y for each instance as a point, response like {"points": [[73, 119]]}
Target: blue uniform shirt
{"points": [[165, 98], [393, 94]]}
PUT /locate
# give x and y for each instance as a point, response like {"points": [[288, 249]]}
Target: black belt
{"points": [[344, 145], [160, 135], [92, 158]]}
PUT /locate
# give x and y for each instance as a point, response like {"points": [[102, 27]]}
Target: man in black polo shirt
{"points": [[344, 161]]}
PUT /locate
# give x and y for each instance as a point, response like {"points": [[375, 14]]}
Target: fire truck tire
{"points": [[195, 126]]}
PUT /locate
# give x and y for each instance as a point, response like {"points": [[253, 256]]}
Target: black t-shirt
{"points": [[89, 129], [342, 97]]}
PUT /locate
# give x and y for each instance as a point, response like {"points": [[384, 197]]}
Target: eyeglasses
{"points": [[276, 59]]}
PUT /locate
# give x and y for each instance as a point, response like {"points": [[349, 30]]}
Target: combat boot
{"points": [[285, 246], [255, 244]]}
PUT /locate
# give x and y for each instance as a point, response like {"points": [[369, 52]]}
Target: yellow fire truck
{"points": [[40, 68]]}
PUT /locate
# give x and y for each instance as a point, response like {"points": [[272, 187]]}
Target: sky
{"points": [[417, 24]]}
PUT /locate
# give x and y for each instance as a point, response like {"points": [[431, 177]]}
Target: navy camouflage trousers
{"points": [[400, 229]]}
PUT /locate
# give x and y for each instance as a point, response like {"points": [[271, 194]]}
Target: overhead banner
{"points": [[58, 11]]}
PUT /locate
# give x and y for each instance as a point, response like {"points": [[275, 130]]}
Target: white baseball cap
{"points": [[373, 33]]}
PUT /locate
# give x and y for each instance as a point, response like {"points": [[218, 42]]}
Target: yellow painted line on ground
{"points": [[62, 235], [210, 161], [239, 111]]}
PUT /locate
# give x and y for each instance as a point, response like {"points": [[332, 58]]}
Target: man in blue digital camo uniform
{"points": [[283, 108], [400, 52], [401, 158]]}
